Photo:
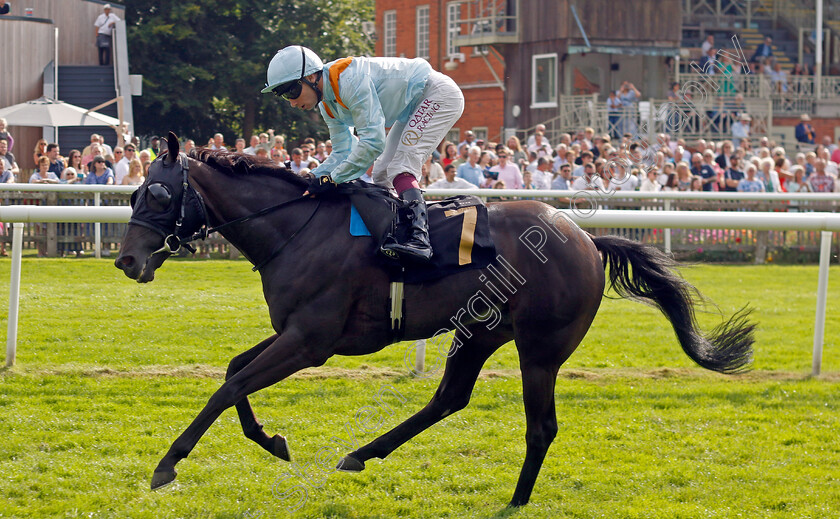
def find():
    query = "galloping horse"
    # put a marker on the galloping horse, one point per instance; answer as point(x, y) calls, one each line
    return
point(328, 295)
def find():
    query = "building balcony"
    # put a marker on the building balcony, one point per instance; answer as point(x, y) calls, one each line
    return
point(483, 22)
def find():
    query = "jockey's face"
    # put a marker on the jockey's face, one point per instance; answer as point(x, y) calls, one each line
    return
point(307, 99)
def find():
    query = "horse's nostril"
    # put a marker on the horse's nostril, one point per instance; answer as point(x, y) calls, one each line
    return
point(124, 262)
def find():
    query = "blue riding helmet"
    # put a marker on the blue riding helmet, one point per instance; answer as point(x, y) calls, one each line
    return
point(288, 69)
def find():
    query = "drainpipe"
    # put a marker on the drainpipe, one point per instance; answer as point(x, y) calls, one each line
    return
point(819, 56)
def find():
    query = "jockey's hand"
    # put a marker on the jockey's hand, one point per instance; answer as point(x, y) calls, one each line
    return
point(320, 185)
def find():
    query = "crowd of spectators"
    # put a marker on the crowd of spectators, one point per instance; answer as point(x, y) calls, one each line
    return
point(580, 160)
point(577, 161)
point(585, 161)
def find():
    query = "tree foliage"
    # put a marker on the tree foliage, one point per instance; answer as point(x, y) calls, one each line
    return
point(204, 61)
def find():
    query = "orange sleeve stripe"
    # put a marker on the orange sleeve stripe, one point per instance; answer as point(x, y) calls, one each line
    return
point(327, 108)
point(335, 70)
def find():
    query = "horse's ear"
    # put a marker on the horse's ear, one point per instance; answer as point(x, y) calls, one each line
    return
point(173, 147)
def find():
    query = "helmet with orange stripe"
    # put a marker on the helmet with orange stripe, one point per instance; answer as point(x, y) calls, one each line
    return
point(288, 70)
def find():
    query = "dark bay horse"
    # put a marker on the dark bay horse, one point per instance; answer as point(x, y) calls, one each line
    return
point(327, 295)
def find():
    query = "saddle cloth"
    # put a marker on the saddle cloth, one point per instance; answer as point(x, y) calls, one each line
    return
point(459, 231)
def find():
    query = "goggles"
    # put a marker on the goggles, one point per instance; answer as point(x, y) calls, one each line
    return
point(292, 89)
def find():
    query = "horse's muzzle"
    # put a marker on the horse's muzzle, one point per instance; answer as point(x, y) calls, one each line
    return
point(140, 254)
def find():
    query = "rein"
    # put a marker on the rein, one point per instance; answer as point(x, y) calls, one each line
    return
point(172, 243)
point(206, 231)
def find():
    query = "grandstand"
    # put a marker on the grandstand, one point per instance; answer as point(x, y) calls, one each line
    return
point(553, 62)
point(52, 54)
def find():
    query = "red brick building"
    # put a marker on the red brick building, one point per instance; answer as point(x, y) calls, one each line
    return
point(422, 28)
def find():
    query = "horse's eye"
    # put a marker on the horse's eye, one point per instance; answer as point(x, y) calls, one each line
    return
point(158, 197)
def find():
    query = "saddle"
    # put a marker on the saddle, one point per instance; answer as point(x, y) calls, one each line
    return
point(459, 230)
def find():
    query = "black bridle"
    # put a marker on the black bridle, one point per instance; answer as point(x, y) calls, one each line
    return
point(173, 241)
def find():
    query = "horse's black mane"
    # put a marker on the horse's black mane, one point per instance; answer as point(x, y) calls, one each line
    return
point(244, 164)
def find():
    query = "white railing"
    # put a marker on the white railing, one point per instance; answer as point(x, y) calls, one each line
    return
point(826, 223)
point(96, 190)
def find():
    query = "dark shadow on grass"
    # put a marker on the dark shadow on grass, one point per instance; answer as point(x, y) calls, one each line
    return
point(505, 512)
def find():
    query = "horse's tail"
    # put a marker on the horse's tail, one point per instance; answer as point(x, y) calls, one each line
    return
point(653, 280)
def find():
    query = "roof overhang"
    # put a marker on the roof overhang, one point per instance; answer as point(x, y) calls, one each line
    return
point(635, 50)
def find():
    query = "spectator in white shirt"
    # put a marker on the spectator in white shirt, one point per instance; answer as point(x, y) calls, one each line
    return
point(218, 142)
point(469, 140)
point(532, 139)
point(295, 164)
point(450, 181)
point(543, 176)
point(650, 183)
point(708, 44)
point(620, 179)
point(252, 149)
point(589, 181)
point(541, 146)
point(104, 24)
point(122, 160)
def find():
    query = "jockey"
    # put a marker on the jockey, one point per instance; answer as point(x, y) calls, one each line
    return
point(415, 105)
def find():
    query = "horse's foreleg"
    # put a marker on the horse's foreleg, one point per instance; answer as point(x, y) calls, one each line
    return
point(252, 428)
point(277, 361)
point(453, 394)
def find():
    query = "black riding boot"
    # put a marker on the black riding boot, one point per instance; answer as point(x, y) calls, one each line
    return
point(417, 244)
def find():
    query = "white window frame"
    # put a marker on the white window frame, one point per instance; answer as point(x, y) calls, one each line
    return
point(389, 32)
point(422, 29)
point(457, 133)
point(480, 133)
point(453, 16)
point(543, 104)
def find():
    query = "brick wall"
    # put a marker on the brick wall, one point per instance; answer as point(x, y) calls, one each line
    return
point(484, 106)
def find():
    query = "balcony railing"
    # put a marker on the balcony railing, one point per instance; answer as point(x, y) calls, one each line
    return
point(727, 11)
point(795, 95)
point(710, 118)
point(486, 22)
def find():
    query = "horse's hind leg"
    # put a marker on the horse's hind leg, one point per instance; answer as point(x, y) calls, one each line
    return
point(252, 428)
point(453, 394)
point(540, 357)
point(538, 394)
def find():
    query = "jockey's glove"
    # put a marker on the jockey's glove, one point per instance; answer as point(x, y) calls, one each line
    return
point(321, 185)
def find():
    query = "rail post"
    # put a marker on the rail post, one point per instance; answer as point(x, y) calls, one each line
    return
point(97, 246)
point(822, 295)
point(14, 293)
point(667, 230)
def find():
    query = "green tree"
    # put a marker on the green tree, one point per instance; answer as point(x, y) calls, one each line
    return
point(203, 61)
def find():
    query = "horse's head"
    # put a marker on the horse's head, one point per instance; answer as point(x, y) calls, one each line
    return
point(165, 211)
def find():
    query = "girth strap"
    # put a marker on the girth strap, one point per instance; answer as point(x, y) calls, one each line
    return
point(396, 304)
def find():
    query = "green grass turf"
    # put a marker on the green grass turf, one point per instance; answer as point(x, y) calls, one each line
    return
point(110, 372)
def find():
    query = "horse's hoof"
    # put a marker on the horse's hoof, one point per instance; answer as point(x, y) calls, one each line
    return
point(280, 448)
point(163, 478)
point(350, 464)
